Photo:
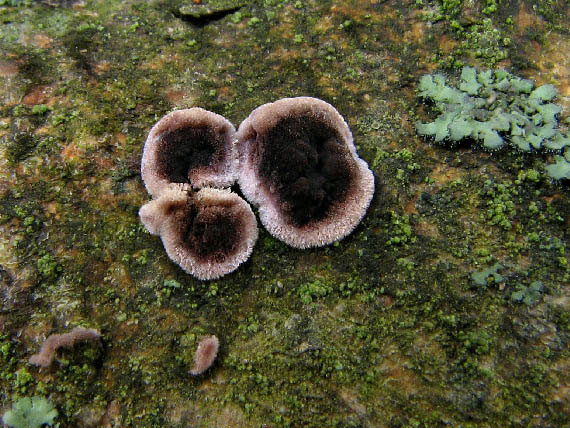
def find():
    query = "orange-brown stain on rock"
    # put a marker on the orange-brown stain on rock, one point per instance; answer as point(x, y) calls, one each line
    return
point(102, 67)
point(427, 229)
point(70, 152)
point(42, 41)
point(175, 96)
point(527, 20)
point(553, 62)
point(121, 138)
point(444, 173)
point(38, 95)
point(394, 372)
point(8, 68)
point(51, 208)
point(410, 206)
point(112, 416)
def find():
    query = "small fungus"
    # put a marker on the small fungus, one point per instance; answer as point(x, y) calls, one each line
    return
point(208, 233)
point(189, 146)
point(298, 164)
point(46, 355)
point(205, 354)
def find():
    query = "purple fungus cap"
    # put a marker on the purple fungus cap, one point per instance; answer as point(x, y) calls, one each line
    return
point(192, 146)
point(208, 233)
point(299, 166)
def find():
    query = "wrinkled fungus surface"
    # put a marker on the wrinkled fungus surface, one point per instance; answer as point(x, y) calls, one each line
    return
point(299, 165)
point(189, 146)
point(308, 164)
point(208, 233)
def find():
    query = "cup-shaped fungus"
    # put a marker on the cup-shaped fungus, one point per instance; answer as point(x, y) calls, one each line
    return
point(298, 164)
point(208, 233)
point(192, 146)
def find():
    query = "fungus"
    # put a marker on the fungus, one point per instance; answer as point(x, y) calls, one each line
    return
point(192, 146)
point(208, 233)
point(46, 355)
point(205, 354)
point(298, 164)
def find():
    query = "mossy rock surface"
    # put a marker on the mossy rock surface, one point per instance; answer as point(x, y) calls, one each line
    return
point(384, 328)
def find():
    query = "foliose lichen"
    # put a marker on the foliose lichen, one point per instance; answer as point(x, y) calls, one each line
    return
point(528, 294)
point(496, 109)
point(489, 275)
point(30, 413)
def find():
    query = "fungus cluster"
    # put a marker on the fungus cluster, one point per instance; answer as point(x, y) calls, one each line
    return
point(294, 159)
point(189, 158)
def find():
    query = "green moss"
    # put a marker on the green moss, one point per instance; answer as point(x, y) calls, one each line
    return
point(451, 7)
point(21, 146)
point(48, 267)
point(479, 342)
point(500, 207)
point(401, 230)
point(23, 380)
point(5, 348)
point(311, 291)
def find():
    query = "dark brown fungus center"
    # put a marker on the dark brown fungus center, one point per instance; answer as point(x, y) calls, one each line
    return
point(308, 165)
point(211, 233)
point(298, 164)
point(183, 150)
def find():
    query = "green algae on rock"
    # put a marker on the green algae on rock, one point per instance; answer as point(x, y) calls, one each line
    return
point(495, 108)
point(426, 349)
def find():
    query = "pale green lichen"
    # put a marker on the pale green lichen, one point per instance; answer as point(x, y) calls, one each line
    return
point(528, 295)
point(491, 274)
point(30, 413)
point(496, 108)
point(560, 169)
